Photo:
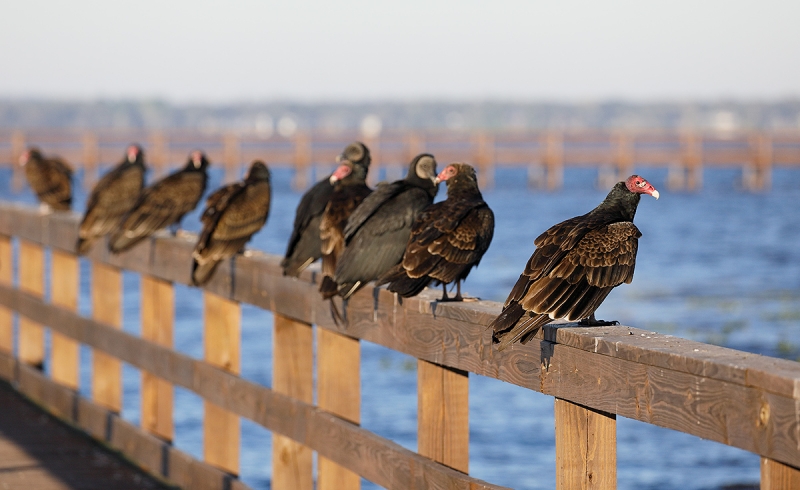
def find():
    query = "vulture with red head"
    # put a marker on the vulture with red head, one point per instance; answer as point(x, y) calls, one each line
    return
point(349, 191)
point(377, 232)
point(448, 238)
point(49, 178)
point(111, 198)
point(233, 214)
point(162, 204)
point(575, 265)
point(304, 245)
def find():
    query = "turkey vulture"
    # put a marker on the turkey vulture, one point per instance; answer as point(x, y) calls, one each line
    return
point(448, 238)
point(377, 232)
point(233, 214)
point(112, 197)
point(349, 190)
point(50, 179)
point(162, 204)
point(304, 244)
point(575, 265)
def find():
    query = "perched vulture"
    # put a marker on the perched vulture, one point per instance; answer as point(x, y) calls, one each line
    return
point(304, 243)
point(50, 179)
point(575, 265)
point(112, 197)
point(349, 191)
point(233, 214)
point(448, 238)
point(377, 232)
point(162, 204)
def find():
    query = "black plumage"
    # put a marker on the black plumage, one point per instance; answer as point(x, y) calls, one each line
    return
point(377, 232)
point(162, 204)
point(575, 265)
point(448, 238)
point(349, 191)
point(49, 178)
point(233, 214)
point(111, 198)
point(304, 243)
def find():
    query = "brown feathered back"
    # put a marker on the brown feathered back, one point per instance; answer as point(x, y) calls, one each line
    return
point(49, 178)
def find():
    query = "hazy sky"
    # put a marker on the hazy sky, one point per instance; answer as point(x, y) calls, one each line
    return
point(190, 50)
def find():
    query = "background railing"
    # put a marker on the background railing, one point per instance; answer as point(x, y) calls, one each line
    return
point(544, 154)
point(743, 400)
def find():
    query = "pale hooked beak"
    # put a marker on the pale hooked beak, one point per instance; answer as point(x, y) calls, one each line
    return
point(655, 194)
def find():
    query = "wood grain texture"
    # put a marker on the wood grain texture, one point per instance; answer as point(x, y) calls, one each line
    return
point(379, 460)
point(443, 415)
point(158, 313)
point(64, 288)
point(6, 278)
point(292, 375)
point(338, 392)
point(221, 341)
point(107, 309)
point(31, 280)
point(778, 476)
point(586, 448)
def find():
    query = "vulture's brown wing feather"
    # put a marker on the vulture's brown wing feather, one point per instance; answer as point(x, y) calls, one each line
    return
point(51, 181)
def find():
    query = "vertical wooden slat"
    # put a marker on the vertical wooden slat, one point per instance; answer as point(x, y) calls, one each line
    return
point(339, 392)
point(107, 308)
point(64, 285)
point(31, 280)
point(7, 278)
point(443, 415)
point(158, 312)
point(221, 340)
point(292, 375)
point(778, 476)
point(586, 448)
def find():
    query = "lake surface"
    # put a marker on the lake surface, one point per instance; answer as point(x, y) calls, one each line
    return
point(719, 265)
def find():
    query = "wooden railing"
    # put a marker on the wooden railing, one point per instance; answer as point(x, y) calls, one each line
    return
point(545, 154)
point(735, 398)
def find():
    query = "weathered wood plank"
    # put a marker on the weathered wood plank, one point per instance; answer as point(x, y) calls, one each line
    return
point(158, 313)
point(778, 476)
point(107, 309)
point(64, 288)
point(338, 392)
point(443, 415)
point(31, 280)
point(377, 459)
point(586, 448)
point(7, 279)
point(292, 375)
point(221, 340)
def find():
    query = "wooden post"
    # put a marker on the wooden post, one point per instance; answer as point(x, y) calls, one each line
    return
point(586, 448)
point(778, 476)
point(292, 375)
point(222, 341)
point(107, 308)
point(158, 157)
point(693, 160)
point(484, 158)
point(158, 313)
point(231, 156)
point(31, 280)
point(339, 392)
point(443, 415)
point(17, 147)
point(64, 287)
point(302, 160)
point(7, 278)
point(91, 158)
point(554, 160)
point(624, 157)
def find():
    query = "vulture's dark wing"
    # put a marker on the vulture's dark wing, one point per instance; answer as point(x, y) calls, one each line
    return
point(382, 194)
point(304, 245)
point(112, 197)
point(51, 181)
point(159, 206)
point(331, 228)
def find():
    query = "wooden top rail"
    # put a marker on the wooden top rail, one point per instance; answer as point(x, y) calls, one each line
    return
point(744, 400)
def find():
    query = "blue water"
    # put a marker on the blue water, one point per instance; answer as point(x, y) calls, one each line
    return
point(719, 265)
